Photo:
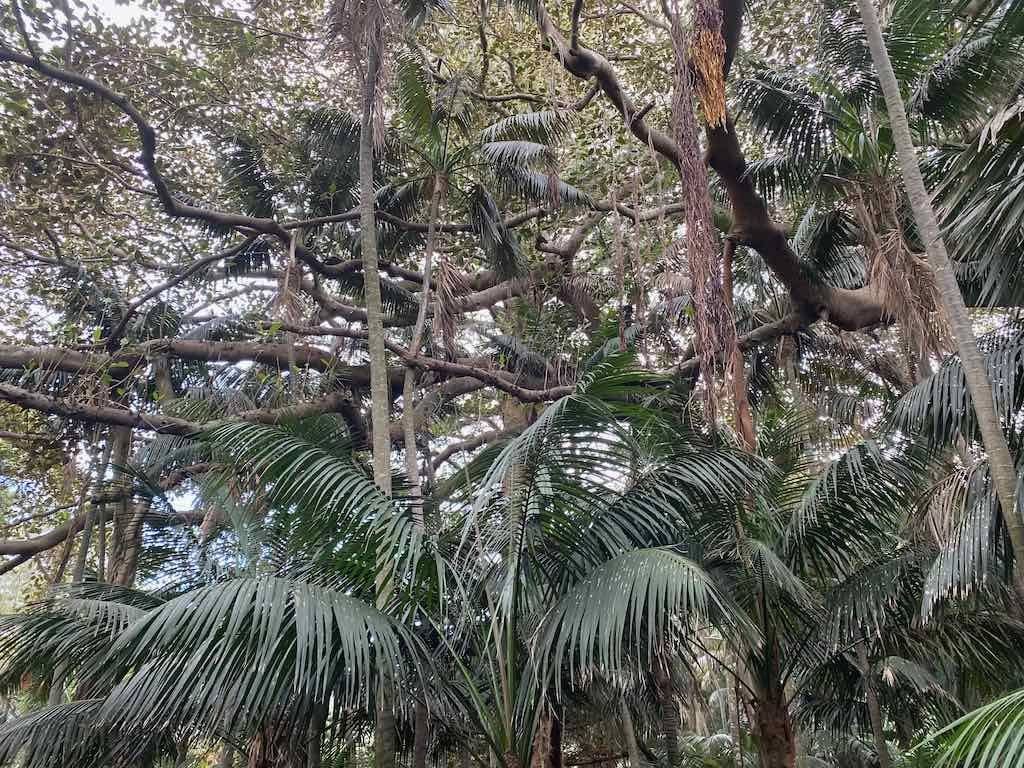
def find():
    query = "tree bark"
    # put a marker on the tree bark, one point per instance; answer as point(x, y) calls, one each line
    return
point(874, 710)
point(380, 393)
point(670, 720)
point(774, 728)
point(741, 402)
point(1001, 465)
point(384, 737)
point(83, 550)
point(128, 563)
point(421, 735)
point(107, 567)
point(629, 735)
point(774, 731)
point(412, 469)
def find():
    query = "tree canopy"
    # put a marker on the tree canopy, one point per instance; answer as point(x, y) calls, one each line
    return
point(534, 385)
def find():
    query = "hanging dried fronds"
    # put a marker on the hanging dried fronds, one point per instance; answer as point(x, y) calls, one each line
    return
point(288, 305)
point(904, 279)
point(450, 283)
point(707, 53)
point(715, 332)
point(355, 28)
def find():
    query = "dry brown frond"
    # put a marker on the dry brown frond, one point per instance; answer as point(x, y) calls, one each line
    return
point(707, 51)
point(903, 278)
point(450, 283)
point(356, 27)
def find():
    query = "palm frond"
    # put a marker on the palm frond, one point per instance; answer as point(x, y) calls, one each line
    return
point(787, 111)
point(637, 602)
point(499, 243)
point(991, 736)
point(231, 656)
point(851, 509)
point(939, 408)
point(67, 734)
point(968, 80)
point(540, 187)
point(543, 127)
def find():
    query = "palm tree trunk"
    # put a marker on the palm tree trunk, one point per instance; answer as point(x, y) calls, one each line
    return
point(412, 469)
point(629, 735)
point(774, 728)
point(421, 735)
point(1003, 472)
point(555, 759)
point(670, 720)
point(107, 567)
point(129, 561)
point(83, 551)
point(874, 710)
point(380, 395)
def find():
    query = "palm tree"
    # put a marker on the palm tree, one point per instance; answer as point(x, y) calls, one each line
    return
point(1003, 471)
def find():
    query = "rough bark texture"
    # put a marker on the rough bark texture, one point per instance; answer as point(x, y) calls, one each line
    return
point(874, 709)
point(773, 727)
point(412, 470)
point(743, 415)
point(670, 720)
point(1003, 471)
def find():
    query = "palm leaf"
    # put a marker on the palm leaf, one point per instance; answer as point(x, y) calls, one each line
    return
point(638, 602)
point(991, 736)
point(229, 656)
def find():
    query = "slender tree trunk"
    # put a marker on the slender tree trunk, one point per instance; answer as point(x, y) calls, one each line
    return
point(122, 485)
point(874, 710)
point(412, 469)
point(629, 735)
point(741, 402)
point(380, 395)
point(122, 441)
point(83, 499)
point(83, 551)
point(128, 564)
point(421, 735)
point(1003, 471)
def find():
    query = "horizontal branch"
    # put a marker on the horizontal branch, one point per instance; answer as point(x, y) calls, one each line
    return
point(160, 423)
point(148, 140)
point(472, 443)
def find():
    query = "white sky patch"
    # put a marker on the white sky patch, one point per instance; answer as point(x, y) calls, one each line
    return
point(120, 12)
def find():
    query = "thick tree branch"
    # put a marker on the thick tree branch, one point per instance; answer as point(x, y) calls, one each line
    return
point(484, 438)
point(115, 335)
point(148, 140)
point(155, 422)
point(752, 224)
